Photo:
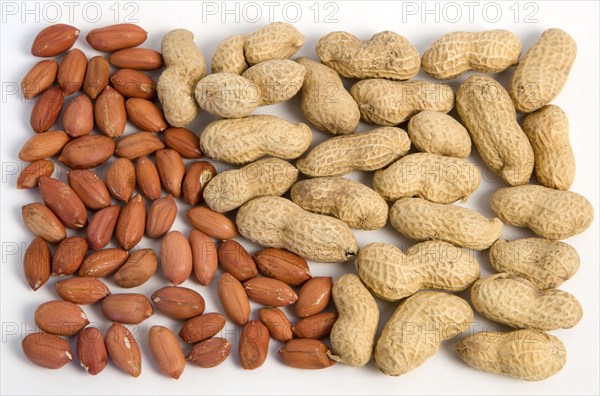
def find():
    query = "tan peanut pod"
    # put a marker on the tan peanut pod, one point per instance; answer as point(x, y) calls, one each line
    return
point(243, 140)
point(279, 223)
point(548, 132)
point(353, 334)
point(489, 51)
point(438, 133)
point(277, 40)
point(543, 71)
point(228, 95)
point(385, 55)
point(278, 80)
point(325, 101)
point(366, 151)
point(354, 203)
point(489, 115)
point(516, 302)
point(231, 189)
point(422, 220)
point(545, 263)
point(530, 355)
point(428, 176)
point(417, 328)
point(550, 213)
point(393, 275)
point(388, 103)
point(229, 56)
point(175, 86)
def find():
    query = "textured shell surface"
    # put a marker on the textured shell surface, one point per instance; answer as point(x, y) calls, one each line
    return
point(429, 176)
point(543, 71)
point(278, 80)
point(229, 56)
point(403, 346)
point(516, 302)
point(389, 103)
point(231, 189)
point(243, 140)
point(421, 220)
point(366, 151)
point(386, 55)
point(279, 223)
point(227, 95)
point(553, 214)
point(548, 131)
point(531, 355)
point(490, 117)
point(393, 275)
point(354, 203)
point(325, 101)
point(353, 334)
point(438, 133)
point(489, 51)
point(277, 40)
point(545, 263)
point(185, 67)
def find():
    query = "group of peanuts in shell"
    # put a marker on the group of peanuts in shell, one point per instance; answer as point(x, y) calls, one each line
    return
point(315, 224)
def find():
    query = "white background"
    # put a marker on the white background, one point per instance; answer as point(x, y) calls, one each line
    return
point(444, 373)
